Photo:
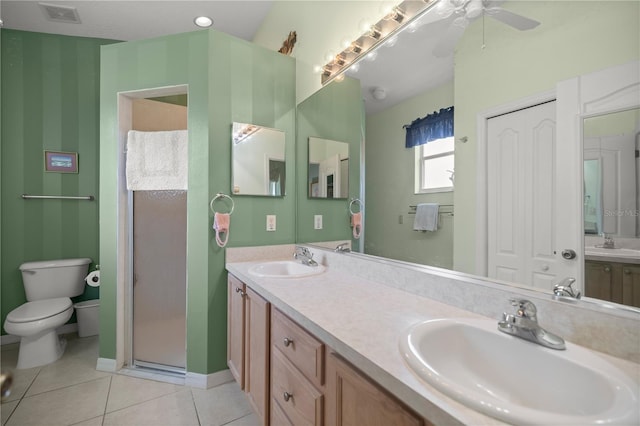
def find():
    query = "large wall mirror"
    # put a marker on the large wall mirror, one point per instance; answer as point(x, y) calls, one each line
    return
point(258, 160)
point(328, 168)
point(495, 64)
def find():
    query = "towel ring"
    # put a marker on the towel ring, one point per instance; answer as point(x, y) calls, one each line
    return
point(353, 201)
point(218, 196)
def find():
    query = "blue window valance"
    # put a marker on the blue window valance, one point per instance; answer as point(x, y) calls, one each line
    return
point(434, 126)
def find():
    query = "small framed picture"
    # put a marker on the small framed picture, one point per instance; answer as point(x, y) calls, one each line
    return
point(61, 162)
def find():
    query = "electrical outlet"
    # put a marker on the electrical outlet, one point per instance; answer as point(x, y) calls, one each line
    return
point(317, 221)
point(271, 222)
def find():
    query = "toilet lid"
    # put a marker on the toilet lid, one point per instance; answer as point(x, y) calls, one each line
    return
point(39, 309)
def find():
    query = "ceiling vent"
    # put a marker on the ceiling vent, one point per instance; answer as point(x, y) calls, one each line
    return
point(57, 13)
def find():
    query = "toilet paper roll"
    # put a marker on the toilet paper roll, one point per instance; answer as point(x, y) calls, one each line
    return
point(93, 279)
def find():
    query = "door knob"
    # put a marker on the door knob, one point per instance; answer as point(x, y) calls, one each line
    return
point(568, 254)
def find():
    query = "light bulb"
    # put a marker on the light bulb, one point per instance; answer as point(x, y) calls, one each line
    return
point(203, 21)
point(317, 69)
point(329, 56)
point(355, 67)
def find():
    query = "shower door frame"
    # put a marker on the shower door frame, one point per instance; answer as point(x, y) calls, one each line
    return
point(124, 334)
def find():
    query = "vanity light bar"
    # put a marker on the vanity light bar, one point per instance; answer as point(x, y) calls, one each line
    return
point(401, 15)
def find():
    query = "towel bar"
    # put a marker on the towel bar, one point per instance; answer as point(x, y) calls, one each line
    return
point(57, 197)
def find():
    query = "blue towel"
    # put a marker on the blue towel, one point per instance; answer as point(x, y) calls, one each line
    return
point(426, 217)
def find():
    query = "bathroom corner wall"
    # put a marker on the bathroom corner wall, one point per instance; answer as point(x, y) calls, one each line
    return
point(248, 84)
point(50, 101)
point(335, 112)
point(228, 80)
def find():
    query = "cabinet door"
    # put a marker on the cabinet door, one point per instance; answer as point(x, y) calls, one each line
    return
point(256, 363)
point(598, 280)
point(353, 400)
point(631, 285)
point(235, 328)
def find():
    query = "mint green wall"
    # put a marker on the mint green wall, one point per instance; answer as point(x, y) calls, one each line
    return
point(389, 184)
point(575, 37)
point(229, 80)
point(50, 100)
point(333, 112)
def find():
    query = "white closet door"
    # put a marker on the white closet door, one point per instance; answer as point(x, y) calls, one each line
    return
point(522, 206)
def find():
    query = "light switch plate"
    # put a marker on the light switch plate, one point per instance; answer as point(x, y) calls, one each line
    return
point(317, 221)
point(271, 222)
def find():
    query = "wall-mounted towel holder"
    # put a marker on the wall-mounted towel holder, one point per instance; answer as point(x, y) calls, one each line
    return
point(57, 197)
point(351, 205)
point(220, 196)
point(444, 210)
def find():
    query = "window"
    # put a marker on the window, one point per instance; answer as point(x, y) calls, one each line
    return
point(434, 166)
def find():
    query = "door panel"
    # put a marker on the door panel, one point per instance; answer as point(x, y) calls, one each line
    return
point(522, 159)
point(159, 287)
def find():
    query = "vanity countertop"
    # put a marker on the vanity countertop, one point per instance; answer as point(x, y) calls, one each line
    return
point(363, 321)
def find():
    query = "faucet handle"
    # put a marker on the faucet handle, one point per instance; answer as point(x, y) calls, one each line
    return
point(526, 308)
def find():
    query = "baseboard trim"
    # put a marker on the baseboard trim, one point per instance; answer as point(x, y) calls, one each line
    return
point(106, 364)
point(207, 381)
point(8, 339)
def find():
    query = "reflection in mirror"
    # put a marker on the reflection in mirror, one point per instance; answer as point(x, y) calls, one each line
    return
point(328, 168)
point(258, 160)
point(494, 65)
point(611, 209)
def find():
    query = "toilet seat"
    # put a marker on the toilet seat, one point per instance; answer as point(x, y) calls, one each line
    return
point(39, 310)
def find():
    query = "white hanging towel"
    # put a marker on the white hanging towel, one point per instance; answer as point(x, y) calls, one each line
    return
point(426, 217)
point(157, 160)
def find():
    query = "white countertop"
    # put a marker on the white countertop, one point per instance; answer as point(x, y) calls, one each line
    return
point(363, 322)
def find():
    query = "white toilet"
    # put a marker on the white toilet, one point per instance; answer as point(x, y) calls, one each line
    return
point(48, 285)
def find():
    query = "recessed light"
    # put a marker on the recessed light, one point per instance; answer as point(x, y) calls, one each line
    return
point(203, 21)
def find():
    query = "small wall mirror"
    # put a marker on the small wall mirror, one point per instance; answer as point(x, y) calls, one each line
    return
point(328, 168)
point(258, 160)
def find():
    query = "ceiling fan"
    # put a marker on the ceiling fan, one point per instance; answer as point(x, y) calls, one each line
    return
point(464, 12)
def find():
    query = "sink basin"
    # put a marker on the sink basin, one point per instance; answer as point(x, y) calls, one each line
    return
point(518, 381)
point(285, 269)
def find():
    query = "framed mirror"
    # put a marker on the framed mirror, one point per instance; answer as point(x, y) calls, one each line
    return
point(258, 160)
point(328, 168)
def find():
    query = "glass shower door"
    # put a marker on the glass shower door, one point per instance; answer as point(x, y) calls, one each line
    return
point(159, 279)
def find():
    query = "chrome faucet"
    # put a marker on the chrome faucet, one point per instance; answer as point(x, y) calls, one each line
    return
point(608, 241)
point(342, 248)
point(564, 289)
point(305, 256)
point(524, 324)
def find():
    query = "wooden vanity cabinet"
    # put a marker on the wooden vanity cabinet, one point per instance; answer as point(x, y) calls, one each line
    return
point(289, 379)
point(248, 344)
point(354, 400)
point(613, 281)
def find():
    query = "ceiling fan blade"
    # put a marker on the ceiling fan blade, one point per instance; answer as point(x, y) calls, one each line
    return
point(514, 20)
point(447, 44)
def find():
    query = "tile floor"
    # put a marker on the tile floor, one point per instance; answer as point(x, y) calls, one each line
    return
point(72, 392)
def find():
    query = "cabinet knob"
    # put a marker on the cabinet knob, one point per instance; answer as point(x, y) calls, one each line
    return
point(545, 267)
point(287, 341)
point(239, 290)
point(607, 269)
point(287, 396)
point(627, 271)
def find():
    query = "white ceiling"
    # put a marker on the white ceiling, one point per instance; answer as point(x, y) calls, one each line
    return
point(133, 20)
point(402, 71)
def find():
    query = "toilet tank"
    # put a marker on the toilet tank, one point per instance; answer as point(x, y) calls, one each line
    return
point(48, 279)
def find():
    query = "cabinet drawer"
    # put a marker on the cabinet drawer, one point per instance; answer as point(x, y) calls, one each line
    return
point(278, 418)
point(299, 400)
point(301, 348)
